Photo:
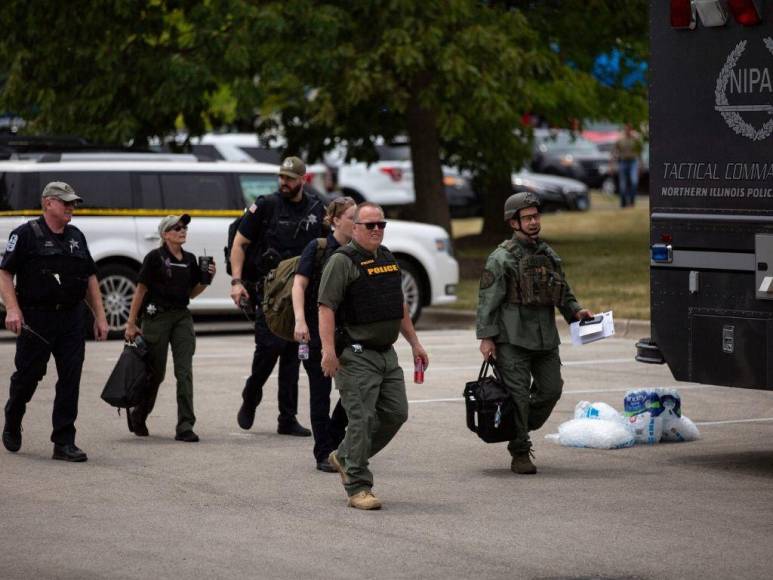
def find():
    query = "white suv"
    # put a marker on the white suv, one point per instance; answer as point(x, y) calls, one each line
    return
point(125, 199)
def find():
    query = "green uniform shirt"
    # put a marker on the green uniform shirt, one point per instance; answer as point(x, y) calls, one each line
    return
point(338, 274)
point(531, 327)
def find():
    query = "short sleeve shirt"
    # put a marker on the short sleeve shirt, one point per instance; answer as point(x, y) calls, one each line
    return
point(169, 281)
point(21, 244)
point(339, 273)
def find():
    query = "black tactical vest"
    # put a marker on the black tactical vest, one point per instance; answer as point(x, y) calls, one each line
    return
point(288, 232)
point(312, 290)
point(57, 272)
point(377, 295)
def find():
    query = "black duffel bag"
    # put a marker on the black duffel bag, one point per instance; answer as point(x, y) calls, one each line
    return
point(490, 409)
point(129, 378)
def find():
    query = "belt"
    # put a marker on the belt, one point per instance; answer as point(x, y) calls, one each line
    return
point(51, 307)
point(367, 346)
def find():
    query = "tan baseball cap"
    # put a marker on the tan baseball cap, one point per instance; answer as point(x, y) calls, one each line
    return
point(293, 167)
point(61, 190)
point(172, 220)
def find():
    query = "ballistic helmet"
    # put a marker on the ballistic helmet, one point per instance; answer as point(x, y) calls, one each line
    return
point(519, 201)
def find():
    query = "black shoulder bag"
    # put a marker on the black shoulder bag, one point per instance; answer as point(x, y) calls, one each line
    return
point(490, 409)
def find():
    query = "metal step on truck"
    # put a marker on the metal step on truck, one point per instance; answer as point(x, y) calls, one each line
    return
point(711, 191)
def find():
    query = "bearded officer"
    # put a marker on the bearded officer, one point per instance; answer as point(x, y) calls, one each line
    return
point(54, 272)
point(521, 285)
point(280, 225)
point(361, 293)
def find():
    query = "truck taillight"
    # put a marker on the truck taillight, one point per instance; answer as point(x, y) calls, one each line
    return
point(682, 14)
point(711, 12)
point(395, 173)
point(746, 12)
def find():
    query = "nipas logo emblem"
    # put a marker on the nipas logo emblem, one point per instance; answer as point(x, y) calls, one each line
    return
point(744, 81)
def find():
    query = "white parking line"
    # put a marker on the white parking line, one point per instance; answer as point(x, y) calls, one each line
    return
point(730, 422)
point(569, 392)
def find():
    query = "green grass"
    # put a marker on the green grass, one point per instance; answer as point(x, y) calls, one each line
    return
point(605, 253)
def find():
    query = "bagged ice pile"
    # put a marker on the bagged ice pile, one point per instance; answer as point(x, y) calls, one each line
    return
point(650, 416)
point(596, 425)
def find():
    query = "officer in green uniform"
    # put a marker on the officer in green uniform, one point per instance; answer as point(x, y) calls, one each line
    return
point(169, 278)
point(522, 283)
point(361, 312)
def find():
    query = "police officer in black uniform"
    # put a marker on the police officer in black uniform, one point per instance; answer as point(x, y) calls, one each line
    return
point(54, 273)
point(281, 224)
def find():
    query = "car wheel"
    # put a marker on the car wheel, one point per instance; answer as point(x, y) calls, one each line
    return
point(412, 288)
point(117, 283)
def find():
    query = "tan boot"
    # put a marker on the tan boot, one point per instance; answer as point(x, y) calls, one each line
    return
point(364, 500)
point(333, 459)
point(522, 464)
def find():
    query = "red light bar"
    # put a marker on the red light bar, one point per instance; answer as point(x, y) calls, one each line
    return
point(746, 12)
point(682, 14)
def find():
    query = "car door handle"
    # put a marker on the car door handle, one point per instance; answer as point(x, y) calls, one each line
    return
point(152, 237)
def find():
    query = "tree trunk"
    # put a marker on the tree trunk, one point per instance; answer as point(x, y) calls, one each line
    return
point(431, 203)
point(497, 187)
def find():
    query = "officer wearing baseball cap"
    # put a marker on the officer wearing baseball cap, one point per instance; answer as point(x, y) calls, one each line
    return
point(520, 287)
point(169, 278)
point(54, 272)
point(276, 227)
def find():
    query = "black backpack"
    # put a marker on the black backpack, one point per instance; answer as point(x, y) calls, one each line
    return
point(251, 250)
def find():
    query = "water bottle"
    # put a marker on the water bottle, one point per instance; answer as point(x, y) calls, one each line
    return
point(303, 351)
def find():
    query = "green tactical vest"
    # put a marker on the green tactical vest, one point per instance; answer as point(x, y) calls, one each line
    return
point(537, 280)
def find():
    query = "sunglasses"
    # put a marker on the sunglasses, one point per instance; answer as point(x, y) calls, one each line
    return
point(177, 228)
point(372, 225)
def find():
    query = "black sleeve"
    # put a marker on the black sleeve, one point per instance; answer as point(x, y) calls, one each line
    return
point(150, 264)
point(17, 249)
point(307, 262)
point(252, 223)
point(195, 270)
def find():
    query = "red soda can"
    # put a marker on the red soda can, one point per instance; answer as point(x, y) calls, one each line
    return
point(418, 371)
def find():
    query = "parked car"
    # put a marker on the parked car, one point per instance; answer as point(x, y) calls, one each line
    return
point(125, 199)
point(561, 152)
point(556, 193)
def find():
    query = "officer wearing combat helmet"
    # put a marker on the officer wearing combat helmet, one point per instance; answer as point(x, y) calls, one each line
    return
point(54, 272)
point(361, 301)
point(521, 284)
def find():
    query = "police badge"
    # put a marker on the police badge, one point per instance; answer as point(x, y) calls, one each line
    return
point(151, 309)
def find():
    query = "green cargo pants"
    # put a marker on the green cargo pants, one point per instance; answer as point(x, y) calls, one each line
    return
point(534, 401)
point(372, 389)
point(173, 327)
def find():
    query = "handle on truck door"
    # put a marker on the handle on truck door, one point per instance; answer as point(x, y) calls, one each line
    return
point(152, 237)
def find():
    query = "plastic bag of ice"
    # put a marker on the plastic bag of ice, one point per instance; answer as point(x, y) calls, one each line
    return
point(594, 433)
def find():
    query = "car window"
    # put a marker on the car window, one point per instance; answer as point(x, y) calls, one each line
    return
point(99, 189)
point(195, 191)
point(394, 152)
point(11, 194)
point(255, 185)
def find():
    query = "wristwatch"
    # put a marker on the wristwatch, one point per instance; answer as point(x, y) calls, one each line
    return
point(235, 281)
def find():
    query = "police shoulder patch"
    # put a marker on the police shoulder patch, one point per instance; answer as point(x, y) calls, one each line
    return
point(11, 246)
point(486, 279)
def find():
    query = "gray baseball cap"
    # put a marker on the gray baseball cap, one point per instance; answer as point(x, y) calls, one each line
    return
point(61, 190)
point(293, 167)
point(172, 220)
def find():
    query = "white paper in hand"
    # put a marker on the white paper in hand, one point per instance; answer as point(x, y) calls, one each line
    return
point(592, 329)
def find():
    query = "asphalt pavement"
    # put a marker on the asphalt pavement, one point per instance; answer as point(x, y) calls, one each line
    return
point(251, 503)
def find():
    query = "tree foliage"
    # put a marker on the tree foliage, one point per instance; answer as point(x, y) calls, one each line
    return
point(454, 76)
